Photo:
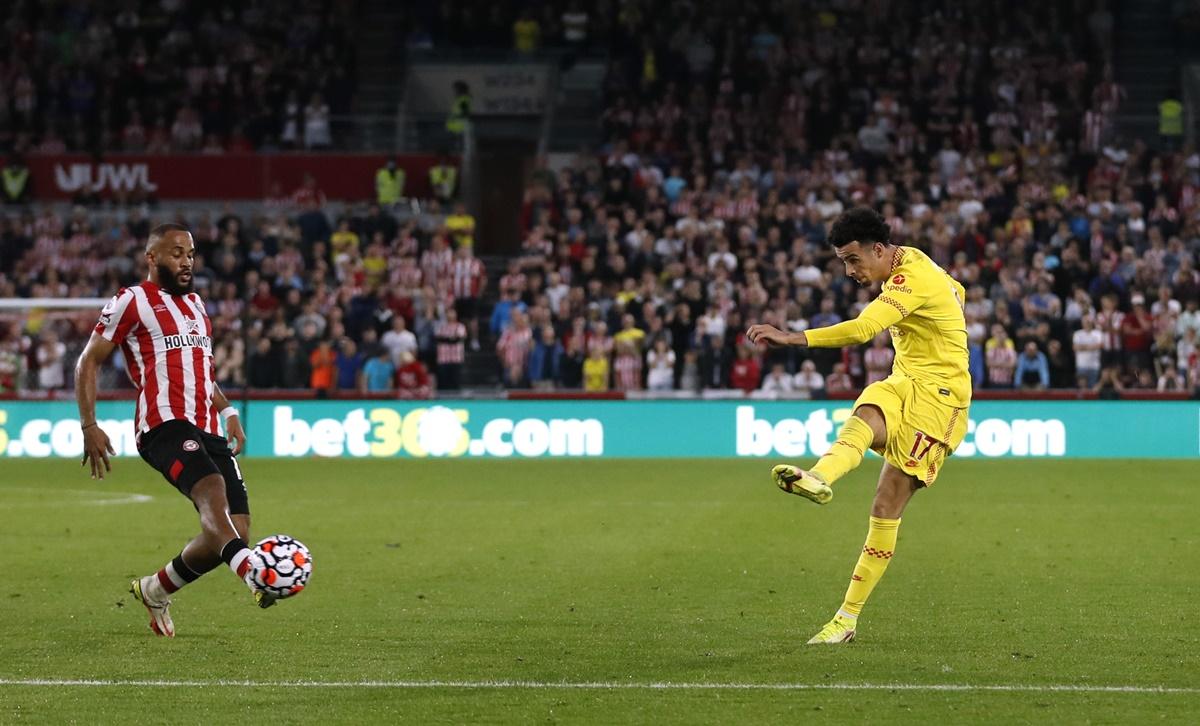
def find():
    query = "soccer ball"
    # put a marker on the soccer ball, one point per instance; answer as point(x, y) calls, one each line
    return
point(287, 565)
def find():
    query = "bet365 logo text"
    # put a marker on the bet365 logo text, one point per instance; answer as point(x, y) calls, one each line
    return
point(42, 437)
point(436, 431)
point(812, 436)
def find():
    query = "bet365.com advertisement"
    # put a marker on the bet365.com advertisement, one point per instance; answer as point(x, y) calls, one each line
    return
point(623, 429)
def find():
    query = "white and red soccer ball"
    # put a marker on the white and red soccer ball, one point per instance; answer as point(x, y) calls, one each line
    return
point(287, 565)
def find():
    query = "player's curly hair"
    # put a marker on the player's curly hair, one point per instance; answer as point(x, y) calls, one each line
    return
point(860, 224)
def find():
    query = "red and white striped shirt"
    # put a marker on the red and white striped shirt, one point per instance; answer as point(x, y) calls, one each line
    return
point(450, 347)
point(467, 277)
point(436, 263)
point(627, 372)
point(167, 343)
point(514, 346)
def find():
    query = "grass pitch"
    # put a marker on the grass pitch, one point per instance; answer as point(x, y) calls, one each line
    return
point(445, 583)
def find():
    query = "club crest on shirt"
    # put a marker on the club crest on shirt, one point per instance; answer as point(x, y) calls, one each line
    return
point(190, 445)
point(193, 327)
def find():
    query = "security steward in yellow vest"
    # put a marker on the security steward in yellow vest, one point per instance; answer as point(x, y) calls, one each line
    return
point(389, 184)
point(460, 109)
point(443, 177)
point(15, 178)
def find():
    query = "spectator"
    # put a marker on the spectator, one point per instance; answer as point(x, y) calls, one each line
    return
point(502, 312)
point(50, 354)
point(324, 364)
point(627, 366)
point(1001, 358)
point(1189, 319)
point(451, 351)
point(1137, 331)
point(745, 373)
point(229, 362)
point(1109, 387)
point(1186, 349)
point(545, 359)
point(630, 333)
point(1062, 369)
point(295, 369)
point(660, 366)
point(570, 371)
point(514, 347)
point(1033, 371)
point(777, 382)
point(1109, 321)
point(264, 370)
point(838, 383)
point(399, 340)
point(595, 370)
point(412, 378)
point(808, 383)
point(1087, 342)
point(714, 364)
point(377, 373)
point(1170, 380)
point(460, 224)
point(349, 363)
point(878, 359)
point(316, 124)
point(10, 365)
point(526, 32)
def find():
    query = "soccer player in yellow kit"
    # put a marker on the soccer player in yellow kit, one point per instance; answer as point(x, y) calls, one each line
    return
point(915, 417)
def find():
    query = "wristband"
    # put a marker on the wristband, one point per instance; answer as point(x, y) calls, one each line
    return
point(228, 412)
point(85, 428)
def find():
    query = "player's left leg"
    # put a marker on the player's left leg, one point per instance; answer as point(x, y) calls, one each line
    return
point(896, 487)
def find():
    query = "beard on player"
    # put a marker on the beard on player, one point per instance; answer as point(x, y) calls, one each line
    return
point(176, 283)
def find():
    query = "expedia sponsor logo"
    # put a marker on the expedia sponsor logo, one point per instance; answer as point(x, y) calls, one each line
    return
point(172, 342)
point(898, 288)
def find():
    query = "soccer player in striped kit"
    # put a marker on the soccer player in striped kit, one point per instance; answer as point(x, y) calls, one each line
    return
point(163, 332)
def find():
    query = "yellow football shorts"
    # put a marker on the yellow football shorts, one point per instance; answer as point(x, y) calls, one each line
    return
point(922, 430)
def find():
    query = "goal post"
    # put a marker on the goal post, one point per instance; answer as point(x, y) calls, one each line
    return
point(41, 338)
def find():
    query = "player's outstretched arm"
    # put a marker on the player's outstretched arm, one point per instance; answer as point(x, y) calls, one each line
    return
point(96, 446)
point(769, 334)
point(233, 424)
point(877, 316)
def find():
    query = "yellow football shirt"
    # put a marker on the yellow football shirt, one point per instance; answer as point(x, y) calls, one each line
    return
point(595, 374)
point(462, 228)
point(923, 308)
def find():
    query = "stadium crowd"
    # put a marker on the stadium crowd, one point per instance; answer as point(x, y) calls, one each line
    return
point(983, 134)
point(167, 76)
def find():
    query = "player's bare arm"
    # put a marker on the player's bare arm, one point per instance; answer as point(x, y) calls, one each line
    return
point(234, 432)
point(769, 334)
point(96, 446)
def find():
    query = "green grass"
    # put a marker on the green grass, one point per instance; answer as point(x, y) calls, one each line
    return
point(1016, 573)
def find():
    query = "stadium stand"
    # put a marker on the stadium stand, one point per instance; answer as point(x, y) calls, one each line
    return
point(986, 136)
point(161, 77)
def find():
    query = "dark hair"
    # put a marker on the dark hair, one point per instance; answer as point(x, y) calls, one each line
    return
point(860, 224)
point(162, 229)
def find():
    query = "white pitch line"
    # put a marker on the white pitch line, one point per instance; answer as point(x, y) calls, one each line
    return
point(102, 498)
point(596, 686)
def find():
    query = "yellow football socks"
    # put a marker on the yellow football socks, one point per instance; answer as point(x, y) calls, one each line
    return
point(876, 554)
point(847, 452)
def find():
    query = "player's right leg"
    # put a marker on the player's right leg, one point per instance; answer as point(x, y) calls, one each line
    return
point(217, 531)
point(866, 428)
